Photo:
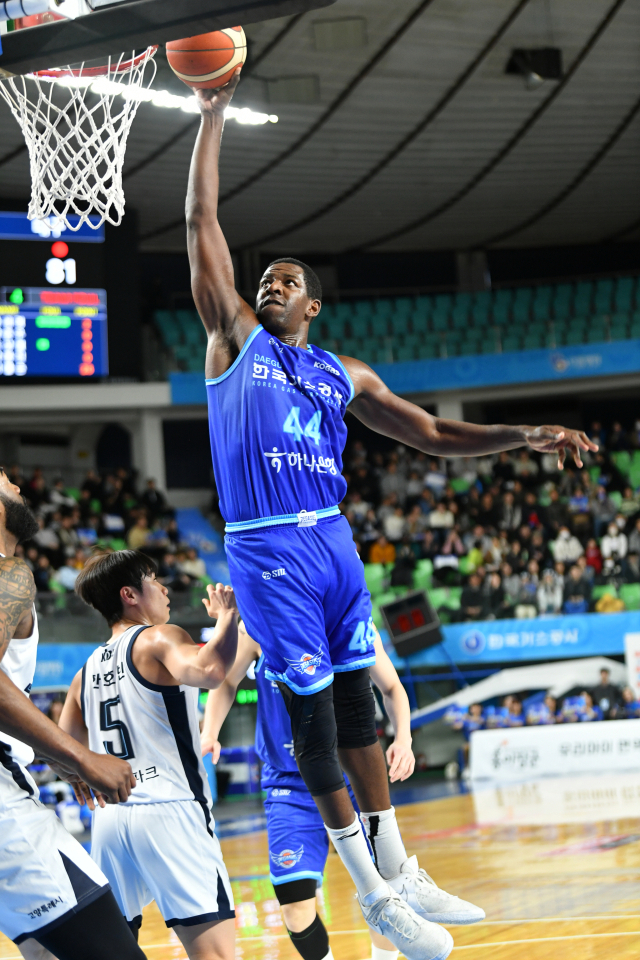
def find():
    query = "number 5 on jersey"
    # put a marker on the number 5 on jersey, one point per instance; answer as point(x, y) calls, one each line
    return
point(312, 430)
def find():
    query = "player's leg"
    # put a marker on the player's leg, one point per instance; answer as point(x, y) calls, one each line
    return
point(53, 897)
point(208, 941)
point(31, 950)
point(298, 848)
point(180, 862)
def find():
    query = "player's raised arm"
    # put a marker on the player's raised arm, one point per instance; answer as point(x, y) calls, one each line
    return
point(220, 701)
point(399, 755)
point(381, 410)
point(205, 666)
point(221, 308)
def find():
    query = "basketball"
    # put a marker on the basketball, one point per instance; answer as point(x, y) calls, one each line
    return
point(208, 60)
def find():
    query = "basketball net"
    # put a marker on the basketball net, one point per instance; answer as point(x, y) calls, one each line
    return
point(75, 122)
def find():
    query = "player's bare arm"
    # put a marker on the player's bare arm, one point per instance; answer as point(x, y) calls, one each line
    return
point(21, 719)
point(381, 410)
point(220, 701)
point(228, 320)
point(399, 755)
point(167, 655)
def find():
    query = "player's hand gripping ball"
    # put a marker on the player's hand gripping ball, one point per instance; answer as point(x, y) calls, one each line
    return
point(208, 61)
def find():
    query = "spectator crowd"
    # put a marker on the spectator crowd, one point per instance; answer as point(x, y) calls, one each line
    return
point(106, 513)
point(519, 536)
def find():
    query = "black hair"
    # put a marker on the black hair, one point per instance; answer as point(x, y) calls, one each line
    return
point(311, 278)
point(100, 582)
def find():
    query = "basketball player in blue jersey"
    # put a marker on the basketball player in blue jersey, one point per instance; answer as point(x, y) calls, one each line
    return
point(298, 843)
point(276, 409)
point(137, 698)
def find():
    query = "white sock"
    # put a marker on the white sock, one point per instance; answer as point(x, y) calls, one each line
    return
point(352, 849)
point(384, 836)
point(330, 956)
point(377, 953)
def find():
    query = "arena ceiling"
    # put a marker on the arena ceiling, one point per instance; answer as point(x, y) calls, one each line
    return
point(400, 130)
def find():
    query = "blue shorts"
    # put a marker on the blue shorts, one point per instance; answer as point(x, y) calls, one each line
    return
point(298, 840)
point(302, 595)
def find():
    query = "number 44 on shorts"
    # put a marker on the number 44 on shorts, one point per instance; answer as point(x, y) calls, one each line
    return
point(363, 637)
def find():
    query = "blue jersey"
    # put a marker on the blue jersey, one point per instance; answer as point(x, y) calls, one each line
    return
point(277, 434)
point(274, 741)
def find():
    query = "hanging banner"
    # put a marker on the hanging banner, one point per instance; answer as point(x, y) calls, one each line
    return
point(632, 657)
point(560, 750)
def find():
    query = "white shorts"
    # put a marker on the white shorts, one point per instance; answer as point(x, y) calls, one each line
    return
point(44, 872)
point(163, 852)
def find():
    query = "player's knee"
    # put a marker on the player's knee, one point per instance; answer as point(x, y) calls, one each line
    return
point(313, 726)
point(298, 916)
point(355, 709)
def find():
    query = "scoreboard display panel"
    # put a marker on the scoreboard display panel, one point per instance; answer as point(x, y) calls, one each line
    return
point(53, 333)
point(53, 301)
point(412, 623)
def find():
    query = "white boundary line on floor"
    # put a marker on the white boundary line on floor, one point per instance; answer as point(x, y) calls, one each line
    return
point(579, 936)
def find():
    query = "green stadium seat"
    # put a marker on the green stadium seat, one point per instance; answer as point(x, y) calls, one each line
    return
point(444, 303)
point(502, 313)
point(463, 300)
point(624, 295)
point(438, 597)
point(400, 324)
point(574, 338)
point(634, 330)
point(470, 348)
point(634, 475)
point(542, 303)
point(453, 599)
point(383, 356)
point(603, 296)
point(402, 354)
point(412, 340)
point(439, 321)
point(594, 473)
point(403, 305)
point(379, 326)
point(350, 346)
point(578, 323)
point(423, 306)
point(616, 498)
point(597, 335)
point(460, 318)
point(73, 492)
point(336, 328)
point(360, 327)
point(510, 343)
point(423, 574)
point(620, 317)
point(375, 576)
point(419, 323)
point(605, 589)
point(459, 484)
point(630, 594)
point(622, 460)
point(489, 345)
point(618, 332)
point(521, 313)
point(367, 355)
point(118, 544)
point(428, 351)
point(533, 341)
point(481, 315)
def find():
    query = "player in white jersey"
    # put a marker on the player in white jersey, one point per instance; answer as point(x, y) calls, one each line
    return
point(50, 889)
point(137, 698)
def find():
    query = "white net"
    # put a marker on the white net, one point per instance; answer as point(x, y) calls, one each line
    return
point(76, 125)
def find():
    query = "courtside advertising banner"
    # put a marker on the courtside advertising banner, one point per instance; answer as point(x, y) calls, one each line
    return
point(632, 657)
point(554, 751)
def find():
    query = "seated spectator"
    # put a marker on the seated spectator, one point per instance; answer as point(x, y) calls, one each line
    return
point(170, 576)
point(579, 510)
point(630, 504)
point(589, 712)
point(139, 533)
point(526, 607)
point(560, 571)
point(510, 516)
point(543, 714)
point(453, 544)
point(503, 469)
point(550, 597)
point(602, 510)
point(634, 538)
point(416, 523)
point(153, 500)
point(59, 496)
point(606, 694)
point(556, 514)
point(402, 573)
point(392, 481)
point(370, 528)
point(358, 506)
point(515, 558)
point(618, 439)
point(489, 514)
point(577, 592)
point(515, 717)
point(441, 518)
point(42, 574)
point(472, 601)
point(614, 547)
point(430, 545)
point(468, 723)
point(382, 551)
point(415, 486)
point(67, 575)
point(394, 525)
point(436, 478)
point(566, 547)
point(497, 603)
point(593, 556)
point(67, 533)
point(193, 565)
point(526, 469)
point(629, 708)
point(475, 557)
point(631, 568)
point(511, 585)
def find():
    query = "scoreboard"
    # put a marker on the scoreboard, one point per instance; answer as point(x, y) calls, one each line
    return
point(47, 332)
point(53, 301)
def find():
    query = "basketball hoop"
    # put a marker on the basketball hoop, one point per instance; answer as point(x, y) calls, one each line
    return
point(75, 121)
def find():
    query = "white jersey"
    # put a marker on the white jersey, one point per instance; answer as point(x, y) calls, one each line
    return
point(154, 727)
point(19, 664)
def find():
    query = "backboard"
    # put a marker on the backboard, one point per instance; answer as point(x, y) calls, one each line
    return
point(113, 26)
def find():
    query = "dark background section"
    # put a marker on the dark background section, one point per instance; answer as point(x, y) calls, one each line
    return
point(557, 262)
point(187, 453)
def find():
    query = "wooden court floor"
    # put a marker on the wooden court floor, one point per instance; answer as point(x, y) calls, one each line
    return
point(567, 890)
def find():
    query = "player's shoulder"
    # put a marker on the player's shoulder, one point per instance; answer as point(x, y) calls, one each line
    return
point(163, 634)
point(16, 579)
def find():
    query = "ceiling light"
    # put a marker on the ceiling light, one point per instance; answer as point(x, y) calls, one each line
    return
point(162, 98)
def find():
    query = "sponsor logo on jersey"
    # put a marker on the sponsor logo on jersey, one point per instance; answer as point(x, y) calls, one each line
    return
point(287, 858)
point(308, 663)
point(268, 575)
point(328, 367)
point(280, 792)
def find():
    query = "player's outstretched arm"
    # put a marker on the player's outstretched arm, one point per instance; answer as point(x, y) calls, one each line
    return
point(381, 410)
point(222, 310)
point(399, 755)
point(205, 666)
point(220, 701)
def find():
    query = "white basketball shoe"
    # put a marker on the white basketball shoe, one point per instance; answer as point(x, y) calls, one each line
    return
point(416, 887)
point(415, 938)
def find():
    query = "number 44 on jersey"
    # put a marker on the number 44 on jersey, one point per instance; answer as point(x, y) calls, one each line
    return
point(311, 430)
